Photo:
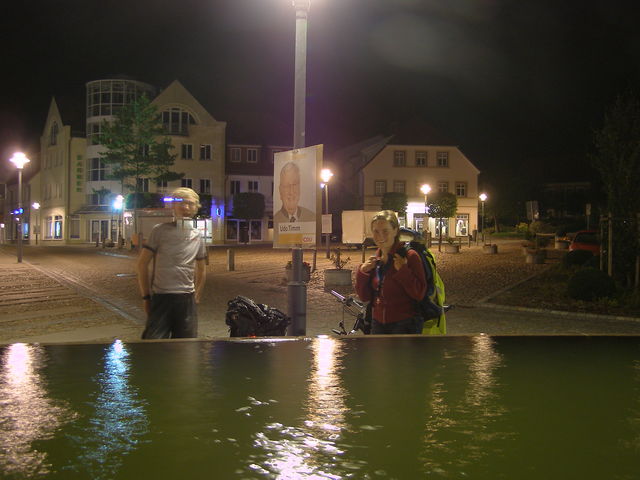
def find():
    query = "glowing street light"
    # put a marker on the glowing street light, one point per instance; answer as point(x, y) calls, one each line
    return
point(425, 189)
point(325, 175)
point(483, 198)
point(117, 206)
point(19, 159)
point(36, 227)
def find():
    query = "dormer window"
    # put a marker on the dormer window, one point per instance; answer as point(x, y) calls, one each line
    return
point(54, 134)
point(176, 121)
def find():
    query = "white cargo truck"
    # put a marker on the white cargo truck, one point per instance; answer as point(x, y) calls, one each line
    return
point(356, 227)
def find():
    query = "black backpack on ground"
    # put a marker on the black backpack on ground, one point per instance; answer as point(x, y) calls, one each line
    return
point(246, 318)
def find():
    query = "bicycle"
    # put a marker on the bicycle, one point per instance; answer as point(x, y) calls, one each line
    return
point(358, 309)
point(355, 308)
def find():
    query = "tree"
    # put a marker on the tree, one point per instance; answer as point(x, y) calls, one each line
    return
point(136, 147)
point(395, 201)
point(616, 158)
point(442, 205)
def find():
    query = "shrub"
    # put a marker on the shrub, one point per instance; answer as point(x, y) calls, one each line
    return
point(589, 284)
point(522, 228)
point(576, 258)
point(540, 227)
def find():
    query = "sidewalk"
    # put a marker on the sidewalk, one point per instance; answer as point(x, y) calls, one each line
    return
point(103, 280)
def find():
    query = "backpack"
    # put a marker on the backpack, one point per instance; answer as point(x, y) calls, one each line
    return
point(246, 318)
point(431, 306)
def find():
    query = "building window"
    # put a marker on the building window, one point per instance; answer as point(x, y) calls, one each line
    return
point(57, 226)
point(461, 189)
point(421, 159)
point(253, 185)
point(234, 187)
point(205, 185)
point(205, 152)
point(93, 134)
point(142, 184)
point(462, 225)
point(399, 158)
point(235, 155)
point(176, 121)
point(162, 185)
point(443, 186)
point(187, 151)
point(186, 182)
point(380, 187)
point(442, 159)
point(252, 155)
point(53, 140)
point(399, 186)
point(97, 170)
point(100, 197)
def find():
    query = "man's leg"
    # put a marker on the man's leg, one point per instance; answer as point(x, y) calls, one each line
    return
point(159, 318)
point(185, 316)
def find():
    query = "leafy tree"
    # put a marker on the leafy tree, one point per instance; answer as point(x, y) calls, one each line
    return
point(136, 147)
point(616, 158)
point(395, 201)
point(442, 205)
point(248, 205)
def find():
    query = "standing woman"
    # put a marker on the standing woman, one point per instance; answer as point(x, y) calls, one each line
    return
point(393, 280)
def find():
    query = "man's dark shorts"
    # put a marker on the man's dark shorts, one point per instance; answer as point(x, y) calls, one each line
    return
point(172, 315)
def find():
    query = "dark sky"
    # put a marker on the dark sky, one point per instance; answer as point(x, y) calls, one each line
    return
point(510, 81)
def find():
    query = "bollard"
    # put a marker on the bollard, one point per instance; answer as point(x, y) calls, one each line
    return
point(315, 255)
point(231, 264)
point(364, 252)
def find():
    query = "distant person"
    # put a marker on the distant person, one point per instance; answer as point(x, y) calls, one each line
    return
point(393, 280)
point(174, 286)
point(290, 195)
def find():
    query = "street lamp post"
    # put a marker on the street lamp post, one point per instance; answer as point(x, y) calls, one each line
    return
point(117, 206)
point(483, 198)
point(296, 289)
point(19, 159)
point(425, 189)
point(36, 227)
point(325, 175)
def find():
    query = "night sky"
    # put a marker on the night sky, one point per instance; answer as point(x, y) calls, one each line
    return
point(512, 82)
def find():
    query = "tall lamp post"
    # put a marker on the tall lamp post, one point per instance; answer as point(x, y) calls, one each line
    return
point(483, 198)
point(36, 227)
point(19, 159)
point(296, 289)
point(325, 175)
point(425, 189)
point(117, 206)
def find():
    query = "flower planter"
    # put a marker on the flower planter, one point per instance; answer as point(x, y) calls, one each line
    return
point(490, 249)
point(335, 276)
point(535, 256)
point(451, 248)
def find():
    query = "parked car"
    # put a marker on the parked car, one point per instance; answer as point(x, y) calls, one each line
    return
point(586, 240)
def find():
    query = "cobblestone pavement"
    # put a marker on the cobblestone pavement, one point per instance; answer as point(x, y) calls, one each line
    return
point(104, 302)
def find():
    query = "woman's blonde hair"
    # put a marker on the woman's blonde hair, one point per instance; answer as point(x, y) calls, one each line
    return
point(390, 216)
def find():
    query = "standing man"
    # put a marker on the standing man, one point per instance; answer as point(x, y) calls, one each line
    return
point(289, 189)
point(172, 289)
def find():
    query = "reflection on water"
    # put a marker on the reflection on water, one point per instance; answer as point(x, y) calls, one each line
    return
point(464, 406)
point(118, 420)
point(27, 415)
point(310, 450)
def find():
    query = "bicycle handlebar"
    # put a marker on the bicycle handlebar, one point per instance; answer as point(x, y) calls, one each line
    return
point(348, 301)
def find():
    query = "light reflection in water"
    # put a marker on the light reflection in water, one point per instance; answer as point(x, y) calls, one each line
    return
point(460, 426)
point(27, 414)
point(311, 451)
point(118, 422)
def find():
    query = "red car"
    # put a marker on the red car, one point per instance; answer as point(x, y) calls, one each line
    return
point(586, 240)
